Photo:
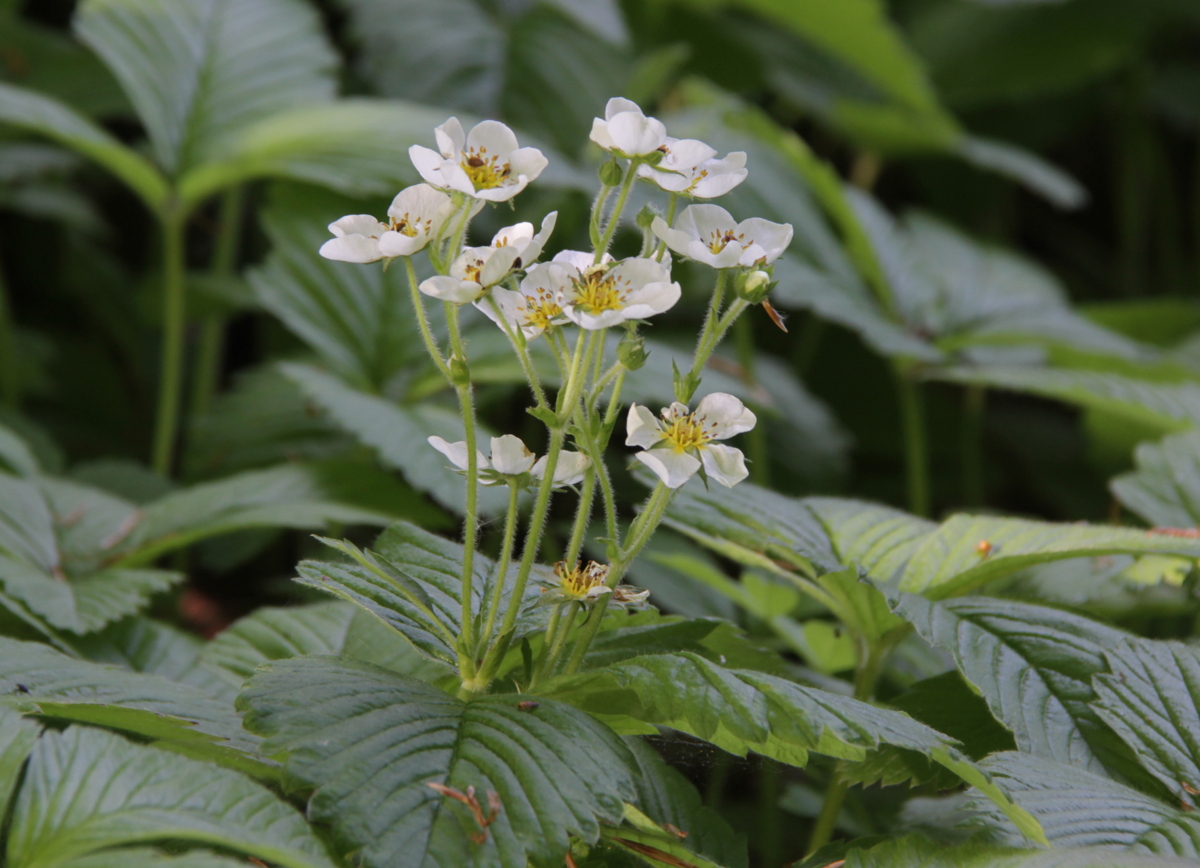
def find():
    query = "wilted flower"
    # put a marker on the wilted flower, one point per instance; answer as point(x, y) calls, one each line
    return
point(414, 217)
point(681, 441)
point(486, 164)
point(604, 295)
point(478, 268)
point(708, 234)
point(583, 583)
point(626, 131)
point(689, 167)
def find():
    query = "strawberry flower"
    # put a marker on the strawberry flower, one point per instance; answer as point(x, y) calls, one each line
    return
point(689, 167)
point(597, 296)
point(626, 131)
point(510, 460)
point(414, 217)
point(679, 442)
point(478, 268)
point(708, 234)
point(484, 164)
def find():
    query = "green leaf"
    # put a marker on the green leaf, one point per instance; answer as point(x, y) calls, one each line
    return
point(57, 686)
point(288, 496)
point(26, 526)
point(16, 454)
point(86, 790)
point(1044, 178)
point(913, 852)
point(1151, 698)
point(1034, 667)
point(666, 796)
point(946, 703)
point(39, 114)
point(138, 857)
point(1165, 488)
point(1077, 808)
point(199, 71)
point(17, 737)
point(370, 741)
point(142, 644)
point(398, 432)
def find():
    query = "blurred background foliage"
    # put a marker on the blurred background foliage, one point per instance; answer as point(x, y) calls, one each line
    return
point(996, 267)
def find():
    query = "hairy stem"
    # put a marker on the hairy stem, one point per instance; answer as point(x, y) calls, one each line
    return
point(760, 456)
point(170, 383)
point(418, 300)
point(500, 576)
point(471, 517)
point(583, 517)
point(615, 220)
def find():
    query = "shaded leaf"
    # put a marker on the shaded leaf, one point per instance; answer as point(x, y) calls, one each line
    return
point(1165, 488)
point(17, 737)
point(913, 852)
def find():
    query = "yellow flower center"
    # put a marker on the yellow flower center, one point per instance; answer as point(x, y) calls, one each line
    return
point(718, 239)
point(472, 270)
point(486, 173)
point(685, 432)
point(541, 311)
point(597, 291)
point(577, 582)
point(407, 226)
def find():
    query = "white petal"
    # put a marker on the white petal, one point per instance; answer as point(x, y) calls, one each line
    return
point(677, 239)
point(454, 177)
point(492, 139)
point(618, 104)
point(398, 244)
point(600, 135)
point(451, 289)
point(503, 306)
point(641, 427)
point(723, 415)
point(534, 249)
point(651, 299)
point(498, 265)
point(635, 134)
point(773, 237)
point(570, 468)
point(352, 248)
point(705, 221)
point(637, 271)
point(517, 235)
point(673, 468)
point(714, 185)
point(450, 139)
point(686, 154)
point(357, 224)
point(510, 456)
point(421, 202)
point(428, 164)
point(528, 163)
point(577, 259)
point(724, 464)
point(457, 453)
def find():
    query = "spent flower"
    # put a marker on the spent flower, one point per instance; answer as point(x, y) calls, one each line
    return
point(679, 442)
point(584, 583)
point(484, 164)
point(708, 234)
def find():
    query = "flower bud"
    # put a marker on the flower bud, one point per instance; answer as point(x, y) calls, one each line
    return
point(646, 216)
point(611, 173)
point(631, 351)
point(754, 286)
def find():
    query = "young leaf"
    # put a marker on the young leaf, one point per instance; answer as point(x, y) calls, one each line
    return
point(1034, 667)
point(1077, 808)
point(371, 742)
point(86, 790)
point(198, 71)
point(40, 114)
point(1151, 698)
point(1165, 488)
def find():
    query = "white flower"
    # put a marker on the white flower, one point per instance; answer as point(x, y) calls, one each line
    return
point(568, 470)
point(486, 164)
point(478, 268)
point(415, 216)
point(680, 442)
point(604, 295)
point(584, 583)
point(536, 307)
point(510, 457)
point(626, 131)
point(689, 167)
point(708, 234)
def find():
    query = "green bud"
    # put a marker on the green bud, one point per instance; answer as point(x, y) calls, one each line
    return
point(753, 286)
point(646, 216)
point(653, 158)
point(611, 173)
point(460, 374)
point(631, 351)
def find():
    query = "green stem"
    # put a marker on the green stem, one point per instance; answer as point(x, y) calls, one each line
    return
point(212, 330)
point(770, 838)
point(456, 240)
point(760, 456)
point(10, 383)
point(471, 517)
point(170, 383)
point(613, 221)
point(597, 212)
point(521, 348)
point(583, 517)
point(418, 300)
point(672, 204)
point(500, 575)
point(555, 649)
point(974, 398)
point(915, 448)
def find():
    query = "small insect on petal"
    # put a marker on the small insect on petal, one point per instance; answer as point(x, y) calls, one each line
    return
point(984, 548)
point(528, 705)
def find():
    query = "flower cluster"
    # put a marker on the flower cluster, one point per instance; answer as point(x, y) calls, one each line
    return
point(567, 302)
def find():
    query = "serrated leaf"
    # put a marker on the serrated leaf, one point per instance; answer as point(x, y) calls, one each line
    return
point(143, 644)
point(139, 857)
point(913, 852)
point(26, 526)
point(1151, 699)
point(57, 686)
point(1077, 808)
point(198, 71)
point(1165, 488)
point(40, 114)
point(948, 705)
point(1034, 667)
point(18, 458)
point(86, 790)
point(17, 737)
point(370, 742)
